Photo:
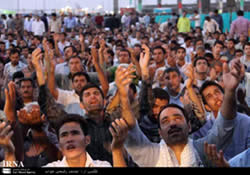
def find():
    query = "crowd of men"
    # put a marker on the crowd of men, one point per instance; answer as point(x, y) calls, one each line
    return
point(124, 91)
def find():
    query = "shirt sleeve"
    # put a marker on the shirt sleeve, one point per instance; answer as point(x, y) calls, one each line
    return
point(220, 134)
point(143, 152)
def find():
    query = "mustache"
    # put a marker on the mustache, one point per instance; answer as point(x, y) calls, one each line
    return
point(174, 129)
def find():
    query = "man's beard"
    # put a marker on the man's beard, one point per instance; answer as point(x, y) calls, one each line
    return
point(177, 135)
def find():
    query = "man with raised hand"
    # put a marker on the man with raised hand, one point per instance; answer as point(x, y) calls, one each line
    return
point(176, 149)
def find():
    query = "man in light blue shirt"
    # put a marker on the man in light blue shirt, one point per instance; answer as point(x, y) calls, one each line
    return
point(212, 95)
point(70, 23)
point(14, 65)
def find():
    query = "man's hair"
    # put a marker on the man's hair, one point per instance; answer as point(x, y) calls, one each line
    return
point(72, 118)
point(233, 40)
point(210, 55)
point(180, 48)
point(73, 48)
point(53, 14)
point(172, 106)
point(88, 86)
point(207, 84)
point(75, 57)
point(200, 58)
point(219, 42)
point(240, 13)
point(172, 69)
point(187, 38)
point(18, 74)
point(159, 47)
point(238, 50)
point(26, 79)
point(246, 44)
point(77, 74)
point(160, 94)
point(125, 50)
point(183, 91)
point(14, 51)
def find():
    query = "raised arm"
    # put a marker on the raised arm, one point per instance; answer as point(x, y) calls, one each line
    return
point(231, 79)
point(102, 78)
point(146, 97)
point(10, 111)
point(200, 111)
point(123, 78)
point(36, 61)
point(56, 40)
point(47, 103)
point(5, 142)
point(135, 62)
point(36, 56)
point(119, 131)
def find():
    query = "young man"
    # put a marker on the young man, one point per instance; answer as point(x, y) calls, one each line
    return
point(159, 59)
point(230, 53)
point(246, 58)
point(174, 86)
point(201, 69)
point(14, 65)
point(213, 95)
point(217, 49)
point(72, 132)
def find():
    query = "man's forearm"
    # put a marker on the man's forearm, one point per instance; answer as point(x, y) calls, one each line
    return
point(127, 113)
point(118, 158)
point(228, 108)
point(102, 78)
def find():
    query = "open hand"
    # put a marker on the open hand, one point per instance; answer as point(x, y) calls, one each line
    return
point(212, 154)
point(5, 137)
point(123, 78)
point(119, 131)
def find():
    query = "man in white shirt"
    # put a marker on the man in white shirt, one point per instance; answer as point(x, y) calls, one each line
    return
point(55, 24)
point(73, 138)
point(38, 27)
point(79, 80)
point(246, 58)
point(196, 19)
point(63, 42)
point(28, 24)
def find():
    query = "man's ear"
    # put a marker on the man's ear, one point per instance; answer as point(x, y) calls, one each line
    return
point(208, 108)
point(87, 140)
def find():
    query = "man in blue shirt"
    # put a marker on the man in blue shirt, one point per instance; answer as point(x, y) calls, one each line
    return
point(70, 23)
point(212, 95)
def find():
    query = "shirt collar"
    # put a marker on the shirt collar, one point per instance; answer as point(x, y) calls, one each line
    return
point(89, 161)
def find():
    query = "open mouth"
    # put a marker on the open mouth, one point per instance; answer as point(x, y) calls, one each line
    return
point(174, 131)
point(70, 147)
point(218, 103)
